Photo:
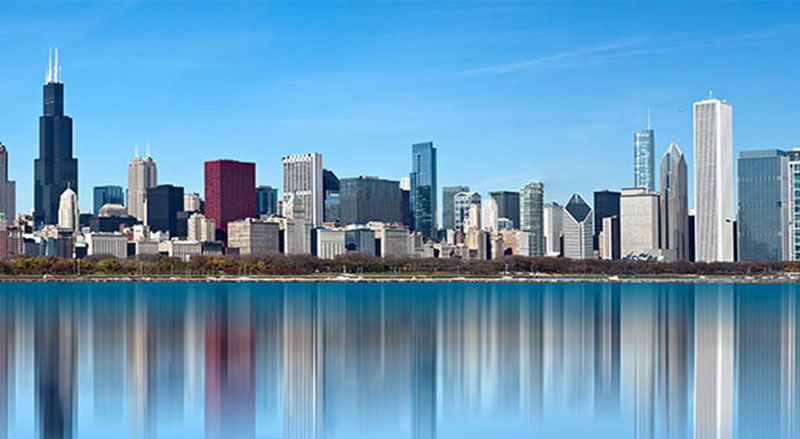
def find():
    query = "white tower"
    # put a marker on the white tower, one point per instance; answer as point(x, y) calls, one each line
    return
point(68, 210)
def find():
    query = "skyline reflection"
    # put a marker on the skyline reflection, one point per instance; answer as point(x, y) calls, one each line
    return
point(398, 360)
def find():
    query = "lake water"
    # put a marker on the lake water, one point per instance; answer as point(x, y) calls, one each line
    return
point(399, 360)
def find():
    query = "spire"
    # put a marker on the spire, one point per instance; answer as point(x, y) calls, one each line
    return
point(56, 68)
point(49, 75)
point(136, 150)
point(648, 118)
point(147, 149)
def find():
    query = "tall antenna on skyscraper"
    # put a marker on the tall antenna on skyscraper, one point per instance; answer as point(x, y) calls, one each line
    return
point(55, 68)
point(648, 118)
point(136, 150)
point(147, 149)
point(49, 75)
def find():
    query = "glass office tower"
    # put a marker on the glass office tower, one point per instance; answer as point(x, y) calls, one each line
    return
point(644, 160)
point(423, 188)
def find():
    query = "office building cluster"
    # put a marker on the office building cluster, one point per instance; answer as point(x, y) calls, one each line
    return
point(320, 214)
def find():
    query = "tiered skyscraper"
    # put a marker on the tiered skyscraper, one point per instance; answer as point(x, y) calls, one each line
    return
point(142, 175)
point(423, 188)
point(8, 189)
point(55, 169)
point(713, 180)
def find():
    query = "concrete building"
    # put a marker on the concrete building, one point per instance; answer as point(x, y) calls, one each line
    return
point(490, 220)
point(553, 228)
point(302, 180)
point(461, 208)
point(610, 242)
point(448, 203)
point(251, 236)
point(142, 175)
point(531, 216)
point(392, 239)
point(674, 211)
point(180, 249)
point(68, 210)
point(638, 222)
point(143, 248)
point(578, 229)
point(328, 243)
point(8, 188)
point(199, 228)
point(361, 240)
point(297, 228)
point(101, 243)
point(192, 202)
point(763, 224)
point(794, 204)
point(713, 180)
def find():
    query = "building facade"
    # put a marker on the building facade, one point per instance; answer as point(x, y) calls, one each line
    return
point(200, 229)
point(794, 204)
point(251, 236)
point(531, 216)
point(644, 169)
point(364, 199)
point(163, 204)
point(507, 205)
point(610, 242)
point(461, 208)
point(763, 221)
point(578, 229)
point(68, 210)
point(423, 189)
point(55, 169)
point(266, 200)
point(638, 223)
point(114, 244)
point(328, 243)
point(192, 202)
point(448, 201)
point(103, 195)
point(142, 175)
point(302, 179)
point(606, 204)
point(8, 188)
point(674, 212)
point(553, 227)
point(229, 192)
point(713, 180)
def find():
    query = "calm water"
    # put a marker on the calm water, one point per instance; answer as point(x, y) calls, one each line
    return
point(369, 360)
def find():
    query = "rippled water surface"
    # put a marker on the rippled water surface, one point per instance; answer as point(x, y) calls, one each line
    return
point(399, 360)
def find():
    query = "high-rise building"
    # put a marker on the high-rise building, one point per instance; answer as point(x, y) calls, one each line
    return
point(531, 216)
point(423, 188)
point(55, 169)
point(713, 180)
point(68, 210)
point(644, 168)
point(794, 204)
point(142, 175)
point(763, 223)
point(674, 201)
point(200, 229)
point(610, 242)
point(461, 204)
point(163, 204)
point(8, 189)
point(364, 199)
point(578, 229)
point(553, 227)
point(448, 197)
point(331, 203)
point(638, 222)
point(507, 205)
point(489, 213)
point(107, 195)
point(230, 192)
point(606, 204)
point(192, 202)
point(302, 180)
point(266, 200)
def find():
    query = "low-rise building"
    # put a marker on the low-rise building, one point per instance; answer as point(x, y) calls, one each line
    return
point(361, 240)
point(392, 239)
point(328, 243)
point(251, 236)
point(199, 228)
point(180, 249)
point(102, 243)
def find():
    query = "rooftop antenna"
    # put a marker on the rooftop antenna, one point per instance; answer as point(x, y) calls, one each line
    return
point(648, 118)
point(55, 68)
point(710, 94)
point(147, 149)
point(49, 65)
point(136, 150)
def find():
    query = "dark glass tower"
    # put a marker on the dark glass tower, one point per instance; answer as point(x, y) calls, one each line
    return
point(55, 169)
point(606, 204)
point(423, 188)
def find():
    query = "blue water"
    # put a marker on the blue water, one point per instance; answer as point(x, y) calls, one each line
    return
point(399, 360)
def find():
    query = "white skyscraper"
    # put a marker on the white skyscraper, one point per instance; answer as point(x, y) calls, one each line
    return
point(68, 210)
point(578, 229)
point(553, 227)
point(141, 176)
point(302, 180)
point(713, 180)
point(638, 212)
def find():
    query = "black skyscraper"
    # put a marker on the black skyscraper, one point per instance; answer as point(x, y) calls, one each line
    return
point(164, 202)
point(55, 169)
point(606, 204)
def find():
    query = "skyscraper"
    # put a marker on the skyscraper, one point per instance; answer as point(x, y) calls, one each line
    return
point(531, 216)
point(266, 200)
point(302, 180)
point(107, 195)
point(553, 222)
point(577, 228)
point(674, 205)
point(606, 205)
point(68, 210)
point(142, 175)
point(461, 204)
point(448, 196)
point(638, 222)
point(365, 199)
point(163, 204)
point(713, 180)
point(8, 189)
point(644, 159)
point(507, 205)
point(230, 192)
point(423, 188)
point(331, 204)
point(794, 204)
point(55, 169)
point(763, 224)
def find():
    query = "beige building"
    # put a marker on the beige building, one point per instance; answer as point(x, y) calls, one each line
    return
point(638, 211)
point(199, 228)
point(68, 210)
point(328, 243)
point(179, 249)
point(393, 239)
point(102, 243)
point(253, 236)
point(141, 176)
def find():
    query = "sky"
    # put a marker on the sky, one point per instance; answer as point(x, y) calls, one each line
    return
point(510, 92)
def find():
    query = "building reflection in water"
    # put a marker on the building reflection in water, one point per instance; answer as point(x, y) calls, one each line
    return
point(399, 360)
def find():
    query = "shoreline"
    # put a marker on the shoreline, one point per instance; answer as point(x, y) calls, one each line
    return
point(542, 278)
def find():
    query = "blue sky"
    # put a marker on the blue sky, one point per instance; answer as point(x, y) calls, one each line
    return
point(510, 92)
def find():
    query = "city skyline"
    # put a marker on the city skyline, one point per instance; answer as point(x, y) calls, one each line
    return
point(105, 134)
